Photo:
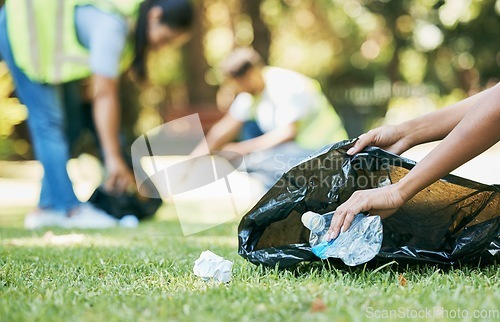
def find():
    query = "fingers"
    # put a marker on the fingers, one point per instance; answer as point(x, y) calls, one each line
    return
point(119, 182)
point(110, 183)
point(383, 201)
point(347, 221)
point(397, 148)
point(115, 184)
point(344, 215)
point(334, 226)
point(341, 221)
point(363, 141)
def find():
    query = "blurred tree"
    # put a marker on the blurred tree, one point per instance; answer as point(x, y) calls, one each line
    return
point(12, 114)
point(195, 63)
point(261, 34)
point(380, 54)
point(470, 47)
point(371, 62)
point(377, 60)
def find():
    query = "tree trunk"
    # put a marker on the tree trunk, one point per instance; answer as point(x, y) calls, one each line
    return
point(199, 92)
point(262, 35)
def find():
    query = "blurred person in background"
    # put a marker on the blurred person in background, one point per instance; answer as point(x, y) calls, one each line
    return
point(281, 115)
point(48, 43)
point(467, 128)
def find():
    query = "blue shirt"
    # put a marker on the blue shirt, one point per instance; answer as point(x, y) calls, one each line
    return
point(104, 35)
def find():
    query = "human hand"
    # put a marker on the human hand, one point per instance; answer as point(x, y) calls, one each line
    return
point(382, 201)
point(119, 178)
point(387, 137)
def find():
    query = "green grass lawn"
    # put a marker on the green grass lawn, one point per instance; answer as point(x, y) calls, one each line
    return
point(146, 274)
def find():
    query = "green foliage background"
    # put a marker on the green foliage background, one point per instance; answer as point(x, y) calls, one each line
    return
point(379, 61)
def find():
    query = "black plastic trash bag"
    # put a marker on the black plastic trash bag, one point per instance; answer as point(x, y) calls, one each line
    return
point(455, 220)
point(120, 205)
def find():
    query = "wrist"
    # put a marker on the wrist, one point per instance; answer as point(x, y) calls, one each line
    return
point(112, 158)
point(407, 133)
point(406, 189)
point(242, 148)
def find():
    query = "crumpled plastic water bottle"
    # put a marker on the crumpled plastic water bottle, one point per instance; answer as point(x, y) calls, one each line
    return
point(359, 244)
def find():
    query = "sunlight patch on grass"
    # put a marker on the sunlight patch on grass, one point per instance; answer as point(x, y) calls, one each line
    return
point(49, 238)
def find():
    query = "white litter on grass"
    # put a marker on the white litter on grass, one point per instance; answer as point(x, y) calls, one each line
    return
point(211, 266)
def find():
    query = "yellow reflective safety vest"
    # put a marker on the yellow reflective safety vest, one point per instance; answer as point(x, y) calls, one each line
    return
point(42, 35)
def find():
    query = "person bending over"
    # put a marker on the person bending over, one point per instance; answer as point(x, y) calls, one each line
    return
point(48, 43)
point(292, 115)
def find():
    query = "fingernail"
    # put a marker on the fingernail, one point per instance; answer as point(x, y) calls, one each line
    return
point(350, 151)
point(342, 229)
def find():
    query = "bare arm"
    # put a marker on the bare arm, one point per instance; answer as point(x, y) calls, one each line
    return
point(222, 132)
point(426, 128)
point(477, 131)
point(265, 141)
point(106, 113)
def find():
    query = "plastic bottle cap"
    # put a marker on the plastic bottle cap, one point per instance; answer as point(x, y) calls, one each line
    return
point(307, 217)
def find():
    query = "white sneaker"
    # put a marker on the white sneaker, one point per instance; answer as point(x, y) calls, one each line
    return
point(40, 218)
point(87, 216)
